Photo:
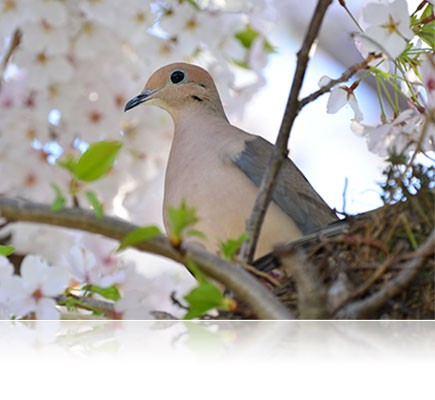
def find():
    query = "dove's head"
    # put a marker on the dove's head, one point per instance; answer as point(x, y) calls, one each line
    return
point(178, 88)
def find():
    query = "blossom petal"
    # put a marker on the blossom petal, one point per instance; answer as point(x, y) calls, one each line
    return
point(55, 281)
point(6, 268)
point(358, 115)
point(33, 269)
point(81, 262)
point(46, 309)
point(337, 99)
point(375, 14)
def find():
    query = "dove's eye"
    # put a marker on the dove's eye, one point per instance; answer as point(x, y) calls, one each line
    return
point(177, 76)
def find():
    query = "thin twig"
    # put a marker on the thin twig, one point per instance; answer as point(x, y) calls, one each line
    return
point(87, 303)
point(263, 303)
point(177, 302)
point(261, 274)
point(345, 76)
point(13, 44)
point(280, 151)
point(365, 308)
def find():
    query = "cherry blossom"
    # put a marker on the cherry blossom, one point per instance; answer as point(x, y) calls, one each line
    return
point(40, 284)
point(427, 70)
point(12, 12)
point(84, 267)
point(341, 96)
point(132, 306)
point(388, 27)
point(399, 135)
point(44, 69)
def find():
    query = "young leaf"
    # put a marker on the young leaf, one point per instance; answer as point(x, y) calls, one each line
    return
point(6, 250)
point(110, 292)
point(96, 161)
point(231, 246)
point(179, 219)
point(59, 201)
point(95, 203)
point(247, 36)
point(139, 235)
point(195, 232)
point(203, 298)
point(69, 163)
point(197, 273)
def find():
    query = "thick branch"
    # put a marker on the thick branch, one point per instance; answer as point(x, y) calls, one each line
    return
point(255, 220)
point(365, 308)
point(245, 286)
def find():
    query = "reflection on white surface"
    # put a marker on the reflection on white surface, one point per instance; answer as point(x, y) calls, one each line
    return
point(290, 340)
point(217, 360)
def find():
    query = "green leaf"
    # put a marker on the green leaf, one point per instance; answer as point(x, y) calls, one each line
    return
point(231, 246)
point(110, 292)
point(139, 235)
point(6, 250)
point(96, 161)
point(95, 203)
point(427, 34)
point(194, 4)
point(197, 273)
point(241, 64)
point(247, 36)
point(179, 219)
point(269, 47)
point(203, 298)
point(69, 163)
point(59, 201)
point(195, 232)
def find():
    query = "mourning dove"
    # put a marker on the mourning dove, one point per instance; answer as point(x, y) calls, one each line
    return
point(217, 167)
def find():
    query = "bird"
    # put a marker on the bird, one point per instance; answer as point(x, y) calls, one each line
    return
point(217, 168)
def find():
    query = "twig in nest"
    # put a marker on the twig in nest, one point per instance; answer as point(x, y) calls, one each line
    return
point(311, 291)
point(259, 273)
point(365, 308)
point(357, 239)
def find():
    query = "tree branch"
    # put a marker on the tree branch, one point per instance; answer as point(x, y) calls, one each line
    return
point(364, 308)
point(87, 303)
point(262, 301)
point(255, 220)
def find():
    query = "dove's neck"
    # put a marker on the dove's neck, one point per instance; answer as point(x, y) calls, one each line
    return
point(199, 125)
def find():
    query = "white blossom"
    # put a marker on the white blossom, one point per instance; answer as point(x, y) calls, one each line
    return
point(84, 267)
point(44, 69)
point(427, 71)
point(388, 27)
point(40, 284)
point(339, 97)
point(399, 135)
point(132, 306)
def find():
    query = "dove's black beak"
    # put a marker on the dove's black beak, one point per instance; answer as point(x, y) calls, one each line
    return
point(139, 99)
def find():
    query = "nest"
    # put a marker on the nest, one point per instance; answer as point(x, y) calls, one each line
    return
point(376, 248)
